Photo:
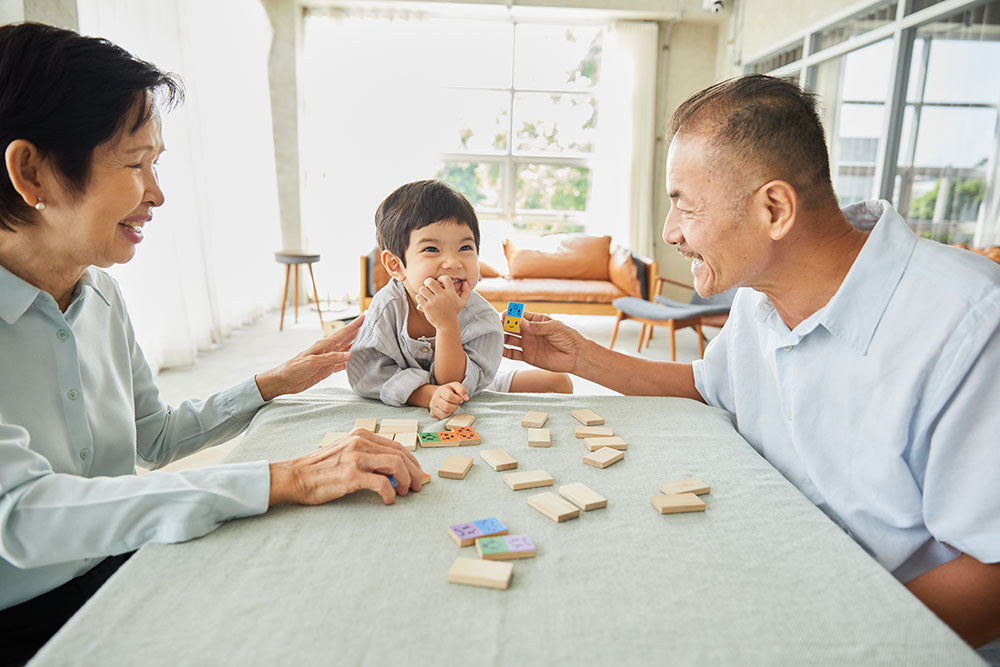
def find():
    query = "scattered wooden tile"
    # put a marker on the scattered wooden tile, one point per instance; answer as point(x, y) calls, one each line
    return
point(528, 479)
point(583, 496)
point(478, 572)
point(498, 459)
point(677, 503)
point(465, 534)
point(587, 417)
point(455, 467)
point(408, 440)
point(425, 478)
point(554, 507)
point(593, 432)
point(535, 419)
point(614, 442)
point(539, 437)
point(505, 547)
point(331, 437)
point(367, 423)
point(689, 485)
point(603, 457)
point(460, 421)
point(398, 425)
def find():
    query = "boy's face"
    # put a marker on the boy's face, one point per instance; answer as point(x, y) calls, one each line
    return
point(444, 248)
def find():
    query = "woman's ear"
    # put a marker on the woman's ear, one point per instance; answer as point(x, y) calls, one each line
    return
point(23, 161)
point(394, 265)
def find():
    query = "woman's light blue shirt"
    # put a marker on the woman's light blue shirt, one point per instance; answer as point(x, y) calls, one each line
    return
point(77, 406)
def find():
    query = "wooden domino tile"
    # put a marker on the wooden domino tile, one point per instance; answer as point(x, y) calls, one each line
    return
point(554, 507)
point(408, 440)
point(331, 437)
point(689, 485)
point(465, 534)
point(398, 425)
point(614, 442)
point(432, 440)
point(587, 417)
point(677, 503)
point(603, 457)
point(534, 419)
point(539, 437)
point(505, 547)
point(512, 324)
point(498, 459)
point(528, 479)
point(367, 423)
point(478, 572)
point(583, 496)
point(425, 478)
point(460, 421)
point(455, 467)
point(593, 432)
point(467, 436)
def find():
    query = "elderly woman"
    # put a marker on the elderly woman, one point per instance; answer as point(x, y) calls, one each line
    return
point(80, 128)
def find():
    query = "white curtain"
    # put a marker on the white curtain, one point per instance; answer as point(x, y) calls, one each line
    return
point(206, 264)
point(370, 92)
point(626, 141)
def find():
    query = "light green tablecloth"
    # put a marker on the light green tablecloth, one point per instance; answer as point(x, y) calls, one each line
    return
point(761, 577)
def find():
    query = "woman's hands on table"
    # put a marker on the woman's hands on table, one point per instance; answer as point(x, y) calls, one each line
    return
point(325, 356)
point(361, 460)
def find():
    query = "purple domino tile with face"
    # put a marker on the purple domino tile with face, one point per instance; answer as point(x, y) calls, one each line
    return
point(466, 533)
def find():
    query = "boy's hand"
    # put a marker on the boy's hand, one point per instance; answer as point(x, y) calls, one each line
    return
point(440, 302)
point(446, 399)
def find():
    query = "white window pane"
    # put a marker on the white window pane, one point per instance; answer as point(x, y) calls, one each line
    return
point(556, 57)
point(545, 187)
point(866, 72)
point(473, 121)
point(475, 53)
point(480, 182)
point(554, 123)
point(955, 137)
point(963, 71)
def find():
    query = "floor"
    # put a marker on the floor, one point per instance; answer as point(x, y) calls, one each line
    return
point(261, 346)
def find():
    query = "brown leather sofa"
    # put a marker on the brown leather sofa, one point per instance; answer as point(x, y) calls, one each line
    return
point(578, 274)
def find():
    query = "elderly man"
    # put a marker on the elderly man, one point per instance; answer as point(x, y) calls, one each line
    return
point(860, 360)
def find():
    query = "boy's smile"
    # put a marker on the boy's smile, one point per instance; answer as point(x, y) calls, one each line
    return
point(445, 248)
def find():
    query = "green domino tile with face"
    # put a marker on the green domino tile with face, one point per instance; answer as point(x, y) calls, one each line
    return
point(492, 545)
point(429, 437)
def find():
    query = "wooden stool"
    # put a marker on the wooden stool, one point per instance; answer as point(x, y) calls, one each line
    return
point(288, 258)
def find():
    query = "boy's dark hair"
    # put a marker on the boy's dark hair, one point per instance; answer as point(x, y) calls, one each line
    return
point(763, 124)
point(67, 94)
point(417, 205)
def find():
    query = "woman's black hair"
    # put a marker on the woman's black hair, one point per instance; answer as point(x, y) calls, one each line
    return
point(67, 94)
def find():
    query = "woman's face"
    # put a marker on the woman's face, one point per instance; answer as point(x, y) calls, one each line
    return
point(102, 226)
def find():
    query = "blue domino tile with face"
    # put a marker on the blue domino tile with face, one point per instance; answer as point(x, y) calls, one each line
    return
point(514, 309)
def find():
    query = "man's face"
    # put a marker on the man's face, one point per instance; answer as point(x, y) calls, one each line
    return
point(709, 219)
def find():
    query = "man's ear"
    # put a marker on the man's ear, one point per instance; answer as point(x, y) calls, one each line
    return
point(778, 204)
point(23, 161)
point(394, 265)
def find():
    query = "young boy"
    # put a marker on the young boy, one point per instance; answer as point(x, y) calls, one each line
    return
point(428, 339)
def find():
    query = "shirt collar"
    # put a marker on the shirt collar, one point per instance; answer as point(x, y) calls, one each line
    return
point(856, 309)
point(17, 295)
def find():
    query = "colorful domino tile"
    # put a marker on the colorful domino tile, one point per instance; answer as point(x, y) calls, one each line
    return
point(466, 534)
point(512, 318)
point(467, 436)
point(428, 438)
point(505, 547)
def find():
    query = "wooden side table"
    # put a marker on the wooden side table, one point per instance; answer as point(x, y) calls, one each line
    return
point(293, 258)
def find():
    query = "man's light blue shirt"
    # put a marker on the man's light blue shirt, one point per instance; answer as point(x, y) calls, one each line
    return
point(883, 407)
point(77, 406)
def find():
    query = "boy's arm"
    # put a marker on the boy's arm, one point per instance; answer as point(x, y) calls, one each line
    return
point(442, 400)
point(965, 594)
point(449, 356)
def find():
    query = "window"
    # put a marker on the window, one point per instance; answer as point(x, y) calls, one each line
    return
point(520, 133)
point(928, 142)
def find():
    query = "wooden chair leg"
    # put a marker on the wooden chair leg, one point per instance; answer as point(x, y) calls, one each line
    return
point(295, 296)
point(673, 344)
point(284, 297)
point(316, 296)
point(701, 339)
point(642, 337)
point(614, 333)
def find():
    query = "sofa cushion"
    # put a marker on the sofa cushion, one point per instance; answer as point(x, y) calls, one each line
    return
point(548, 289)
point(487, 271)
point(622, 272)
point(576, 257)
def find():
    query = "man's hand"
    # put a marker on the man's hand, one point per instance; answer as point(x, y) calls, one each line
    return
point(545, 343)
point(361, 460)
point(440, 302)
point(446, 399)
point(305, 369)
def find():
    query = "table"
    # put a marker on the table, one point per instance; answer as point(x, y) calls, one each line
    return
point(761, 577)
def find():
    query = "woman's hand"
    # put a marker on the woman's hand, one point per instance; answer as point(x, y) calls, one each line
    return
point(305, 369)
point(545, 343)
point(361, 460)
point(446, 399)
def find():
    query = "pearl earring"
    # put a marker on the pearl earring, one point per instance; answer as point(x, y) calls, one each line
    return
point(40, 206)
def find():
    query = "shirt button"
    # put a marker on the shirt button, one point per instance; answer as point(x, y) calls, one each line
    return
point(425, 349)
point(62, 335)
point(788, 348)
point(72, 394)
point(84, 453)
